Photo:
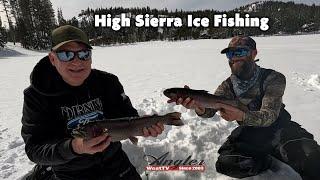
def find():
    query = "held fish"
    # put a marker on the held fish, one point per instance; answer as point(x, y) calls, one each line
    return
point(202, 98)
point(124, 128)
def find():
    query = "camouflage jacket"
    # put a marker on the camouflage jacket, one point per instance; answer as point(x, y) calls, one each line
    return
point(271, 102)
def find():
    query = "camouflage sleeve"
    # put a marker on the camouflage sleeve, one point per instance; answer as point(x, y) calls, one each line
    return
point(223, 90)
point(271, 103)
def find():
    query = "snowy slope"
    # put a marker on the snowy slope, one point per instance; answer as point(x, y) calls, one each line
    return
point(145, 70)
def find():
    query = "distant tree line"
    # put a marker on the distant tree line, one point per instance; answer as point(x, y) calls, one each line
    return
point(31, 22)
point(284, 18)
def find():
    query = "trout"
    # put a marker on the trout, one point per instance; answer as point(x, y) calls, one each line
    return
point(202, 98)
point(125, 128)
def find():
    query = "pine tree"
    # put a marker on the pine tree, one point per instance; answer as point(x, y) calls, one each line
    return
point(74, 22)
point(35, 22)
point(14, 8)
point(7, 7)
point(46, 24)
point(2, 35)
point(14, 11)
point(61, 20)
point(25, 31)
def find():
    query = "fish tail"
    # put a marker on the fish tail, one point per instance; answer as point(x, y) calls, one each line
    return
point(134, 140)
point(174, 119)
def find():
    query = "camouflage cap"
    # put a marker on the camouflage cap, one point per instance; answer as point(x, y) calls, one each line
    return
point(66, 34)
point(240, 41)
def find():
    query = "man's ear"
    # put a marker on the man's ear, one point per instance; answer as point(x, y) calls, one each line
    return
point(254, 54)
point(52, 58)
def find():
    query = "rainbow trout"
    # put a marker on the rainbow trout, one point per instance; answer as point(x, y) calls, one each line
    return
point(202, 98)
point(124, 128)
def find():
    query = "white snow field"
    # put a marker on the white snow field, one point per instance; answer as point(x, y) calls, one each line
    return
point(145, 70)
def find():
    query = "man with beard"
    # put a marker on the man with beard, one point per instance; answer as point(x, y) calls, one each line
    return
point(266, 129)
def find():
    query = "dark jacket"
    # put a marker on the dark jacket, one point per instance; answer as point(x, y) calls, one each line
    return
point(49, 103)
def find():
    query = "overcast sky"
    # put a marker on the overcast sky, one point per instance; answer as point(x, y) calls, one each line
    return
point(72, 8)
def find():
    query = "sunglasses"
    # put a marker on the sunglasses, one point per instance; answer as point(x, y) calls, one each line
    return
point(67, 56)
point(238, 52)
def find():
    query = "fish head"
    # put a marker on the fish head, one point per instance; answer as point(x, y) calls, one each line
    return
point(174, 93)
point(171, 92)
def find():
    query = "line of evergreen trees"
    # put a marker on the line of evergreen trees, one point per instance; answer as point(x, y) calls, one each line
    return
point(31, 22)
point(284, 18)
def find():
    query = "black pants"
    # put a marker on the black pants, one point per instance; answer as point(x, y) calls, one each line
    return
point(248, 151)
point(118, 168)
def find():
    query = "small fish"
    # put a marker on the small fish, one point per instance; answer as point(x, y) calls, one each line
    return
point(202, 98)
point(124, 128)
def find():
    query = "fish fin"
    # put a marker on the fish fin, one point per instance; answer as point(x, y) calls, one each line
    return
point(174, 119)
point(175, 122)
point(134, 140)
point(200, 91)
point(174, 115)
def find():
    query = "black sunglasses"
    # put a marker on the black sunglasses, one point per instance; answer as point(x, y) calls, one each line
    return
point(238, 52)
point(67, 56)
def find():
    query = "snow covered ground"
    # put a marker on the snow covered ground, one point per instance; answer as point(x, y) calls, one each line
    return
point(145, 70)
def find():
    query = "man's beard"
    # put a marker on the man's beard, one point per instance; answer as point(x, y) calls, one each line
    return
point(245, 71)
